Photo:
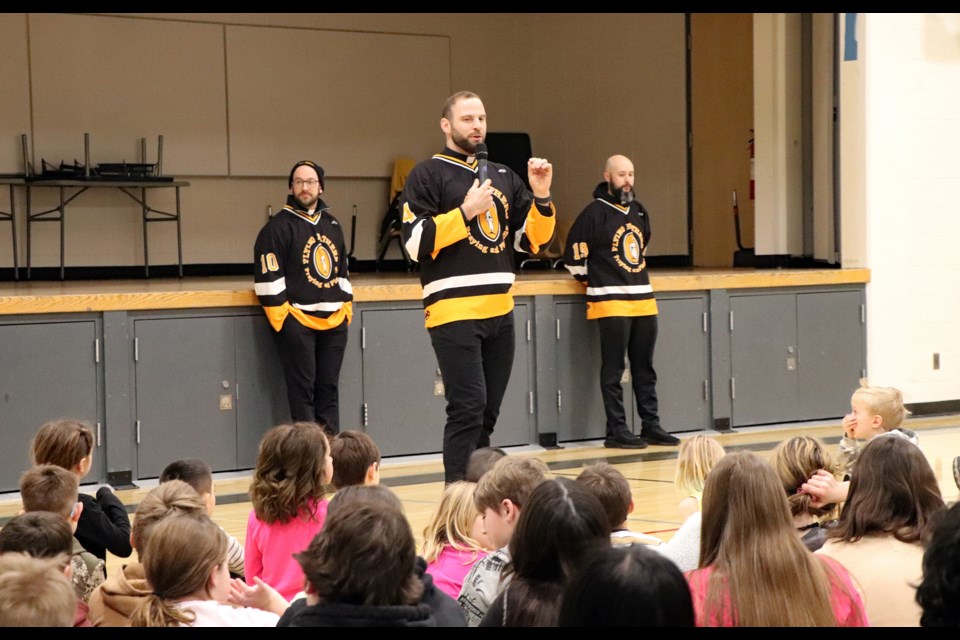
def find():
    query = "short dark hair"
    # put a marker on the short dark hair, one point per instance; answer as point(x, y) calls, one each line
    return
point(939, 590)
point(453, 100)
point(194, 471)
point(49, 487)
point(41, 534)
point(481, 461)
point(627, 586)
point(612, 489)
point(353, 452)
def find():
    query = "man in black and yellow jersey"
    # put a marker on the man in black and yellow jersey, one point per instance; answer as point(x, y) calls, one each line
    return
point(605, 252)
point(301, 278)
point(464, 232)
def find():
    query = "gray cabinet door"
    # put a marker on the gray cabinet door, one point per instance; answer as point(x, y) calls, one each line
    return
point(402, 389)
point(186, 385)
point(763, 348)
point(49, 372)
point(261, 392)
point(514, 424)
point(578, 376)
point(682, 363)
point(831, 351)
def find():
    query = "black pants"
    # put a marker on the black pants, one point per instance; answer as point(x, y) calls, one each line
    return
point(475, 358)
point(635, 336)
point(311, 366)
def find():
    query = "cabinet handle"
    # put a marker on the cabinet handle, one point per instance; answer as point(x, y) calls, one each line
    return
point(366, 414)
point(136, 349)
point(96, 350)
point(733, 388)
point(138, 432)
point(731, 321)
point(238, 392)
point(704, 321)
point(363, 338)
point(531, 403)
point(558, 328)
point(528, 331)
point(98, 434)
point(863, 314)
point(706, 390)
point(559, 401)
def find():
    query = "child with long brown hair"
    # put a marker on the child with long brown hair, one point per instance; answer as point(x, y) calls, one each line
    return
point(288, 493)
point(185, 561)
point(754, 571)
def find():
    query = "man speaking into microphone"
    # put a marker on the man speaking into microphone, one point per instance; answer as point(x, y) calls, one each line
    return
point(463, 219)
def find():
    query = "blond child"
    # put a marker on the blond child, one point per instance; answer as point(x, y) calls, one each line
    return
point(34, 592)
point(289, 499)
point(875, 411)
point(796, 459)
point(696, 457)
point(451, 541)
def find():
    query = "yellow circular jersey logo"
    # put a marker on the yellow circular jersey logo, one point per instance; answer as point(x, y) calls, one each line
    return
point(489, 223)
point(632, 253)
point(322, 262)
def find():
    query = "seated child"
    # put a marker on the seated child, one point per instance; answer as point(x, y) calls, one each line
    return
point(356, 459)
point(199, 475)
point(449, 545)
point(34, 592)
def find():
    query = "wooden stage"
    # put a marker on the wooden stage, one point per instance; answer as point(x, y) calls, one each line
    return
point(39, 297)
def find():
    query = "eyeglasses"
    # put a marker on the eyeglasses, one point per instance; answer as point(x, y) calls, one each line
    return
point(312, 182)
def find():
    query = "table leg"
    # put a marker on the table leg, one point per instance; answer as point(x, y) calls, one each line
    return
point(145, 210)
point(13, 232)
point(29, 219)
point(179, 242)
point(63, 222)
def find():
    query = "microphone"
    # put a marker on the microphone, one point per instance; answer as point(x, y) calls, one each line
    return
point(482, 155)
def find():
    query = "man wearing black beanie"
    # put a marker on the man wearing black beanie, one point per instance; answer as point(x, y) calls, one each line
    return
point(301, 279)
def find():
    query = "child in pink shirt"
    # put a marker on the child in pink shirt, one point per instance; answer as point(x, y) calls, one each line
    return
point(289, 503)
point(453, 539)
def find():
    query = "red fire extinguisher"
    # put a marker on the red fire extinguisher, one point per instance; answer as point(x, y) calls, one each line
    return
point(752, 167)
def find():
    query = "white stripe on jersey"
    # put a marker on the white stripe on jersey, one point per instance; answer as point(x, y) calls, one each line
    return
point(413, 244)
point(345, 285)
point(319, 306)
point(270, 288)
point(577, 271)
point(607, 291)
point(476, 280)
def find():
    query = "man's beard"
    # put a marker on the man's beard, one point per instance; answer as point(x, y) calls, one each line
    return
point(463, 142)
point(309, 203)
point(623, 195)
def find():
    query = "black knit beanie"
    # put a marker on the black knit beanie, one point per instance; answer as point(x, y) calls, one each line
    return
point(315, 167)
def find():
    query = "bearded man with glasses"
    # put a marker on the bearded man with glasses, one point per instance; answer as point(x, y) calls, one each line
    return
point(301, 279)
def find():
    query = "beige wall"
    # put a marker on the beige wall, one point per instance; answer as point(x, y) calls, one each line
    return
point(580, 93)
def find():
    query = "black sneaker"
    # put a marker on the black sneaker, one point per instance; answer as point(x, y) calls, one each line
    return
point(625, 440)
point(656, 435)
point(956, 471)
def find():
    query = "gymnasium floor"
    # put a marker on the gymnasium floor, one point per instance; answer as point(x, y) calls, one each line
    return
point(418, 480)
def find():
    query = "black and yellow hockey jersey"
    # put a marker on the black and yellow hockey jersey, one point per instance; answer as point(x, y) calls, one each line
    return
point(467, 269)
point(301, 268)
point(605, 250)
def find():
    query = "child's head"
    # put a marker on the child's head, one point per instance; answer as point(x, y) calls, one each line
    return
point(365, 552)
point(796, 459)
point(196, 473)
point(34, 592)
point(612, 489)
point(356, 459)
point(185, 558)
point(893, 491)
point(48, 487)
point(627, 586)
point(502, 492)
point(696, 457)
point(482, 460)
point(876, 410)
point(170, 498)
point(65, 443)
point(452, 523)
point(40, 534)
point(293, 468)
